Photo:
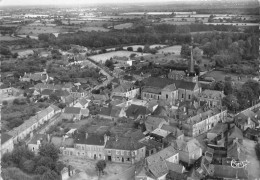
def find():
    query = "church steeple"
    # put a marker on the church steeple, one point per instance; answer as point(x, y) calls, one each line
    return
point(191, 62)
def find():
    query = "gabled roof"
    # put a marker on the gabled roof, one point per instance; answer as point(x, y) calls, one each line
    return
point(61, 93)
point(153, 122)
point(235, 132)
point(137, 134)
point(160, 111)
point(83, 101)
point(177, 175)
point(236, 151)
point(123, 143)
point(174, 130)
point(174, 72)
point(189, 146)
point(5, 137)
point(224, 171)
point(219, 128)
point(157, 163)
point(163, 82)
point(136, 110)
point(124, 87)
point(112, 111)
point(47, 92)
point(92, 139)
point(72, 110)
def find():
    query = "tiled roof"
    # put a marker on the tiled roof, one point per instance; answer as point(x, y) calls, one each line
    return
point(61, 93)
point(55, 108)
point(151, 144)
point(163, 82)
point(28, 123)
point(219, 128)
point(175, 167)
point(176, 175)
point(212, 94)
point(174, 130)
point(136, 110)
point(189, 146)
point(5, 137)
point(157, 162)
point(83, 101)
point(252, 132)
point(236, 151)
point(137, 134)
point(224, 171)
point(160, 111)
point(36, 76)
point(112, 111)
point(235, 132)
point(153, 122)
point(47, 92)
point(84, 111)
point(170, 87)
point(123, 143)
point(72, 110)
point(153, 90)
point(92, 139)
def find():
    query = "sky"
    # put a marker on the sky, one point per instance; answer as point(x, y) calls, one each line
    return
point(75, 2)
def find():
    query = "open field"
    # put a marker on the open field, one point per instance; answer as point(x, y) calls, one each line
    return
point(124, 26)
point(172, 49)
point(35, 31)
point(103, 57)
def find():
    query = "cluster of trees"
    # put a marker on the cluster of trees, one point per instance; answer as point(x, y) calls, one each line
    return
point(70, 73)
point(238, 98)
point(228, 48)
point(160, 33)
point(22, 163)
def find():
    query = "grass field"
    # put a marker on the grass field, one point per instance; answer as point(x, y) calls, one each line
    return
point(124, 26)
point(172, 49)
point(103, 57)
point(157, 45)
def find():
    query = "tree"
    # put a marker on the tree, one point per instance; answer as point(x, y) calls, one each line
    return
point(209, 49)
point(219, 86)
point(5, 103)
point(29, 166)
point(49, 175)
point(231, 102)
point(139, 49)
point(185, 50)
point(228, 89)
point(197, 54)
point(100, 166)
point(129, 49)
point(49, 150)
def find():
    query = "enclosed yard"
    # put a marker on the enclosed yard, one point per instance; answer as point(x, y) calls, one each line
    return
point(172, 49)
point(106, 56)
point(124, 26)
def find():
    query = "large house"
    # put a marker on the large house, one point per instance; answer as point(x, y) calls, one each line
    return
point(189, 151)
point(212, 97)
point(127, 90)
point(246, 119)
point(203, 122)
point(87, 146)
point(124, 150)
point(35, 77)
point(169, 90)
point(160, 163)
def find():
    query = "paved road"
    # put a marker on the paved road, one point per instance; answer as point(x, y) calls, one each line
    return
point(109, 77)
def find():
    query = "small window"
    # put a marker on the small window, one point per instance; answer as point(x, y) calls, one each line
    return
point(182, 96)
point(166, 96)
point(189, 96)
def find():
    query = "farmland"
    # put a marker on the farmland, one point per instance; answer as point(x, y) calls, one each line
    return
point(162, 58)
point(89, 29)
point(103, 57)
point(35, 31)
point(8, 38)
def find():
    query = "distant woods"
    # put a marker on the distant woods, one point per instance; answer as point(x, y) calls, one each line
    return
point(159, 33)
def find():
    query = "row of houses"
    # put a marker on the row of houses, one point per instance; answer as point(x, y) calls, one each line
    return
point(23, 131)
